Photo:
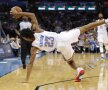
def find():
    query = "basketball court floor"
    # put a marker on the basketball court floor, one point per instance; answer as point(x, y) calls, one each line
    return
point(51, 72)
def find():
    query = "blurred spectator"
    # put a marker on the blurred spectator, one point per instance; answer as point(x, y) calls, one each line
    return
point(81, 45)
point(15, 46)
point(58, 29)
point(92, 44)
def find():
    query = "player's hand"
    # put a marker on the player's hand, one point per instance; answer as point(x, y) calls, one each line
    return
point(106, 21)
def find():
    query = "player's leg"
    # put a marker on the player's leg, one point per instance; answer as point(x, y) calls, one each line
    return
point(23, 57)
point(101, 49)
point(30, 65)
point(68, 52)
point(106, 44)
point(29, 48)
point(92, 25)
point(106, 48)
point(23, 53)
point(80, 71)
point(71, 63)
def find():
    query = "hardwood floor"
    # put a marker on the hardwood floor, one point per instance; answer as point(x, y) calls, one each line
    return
point(52, 68)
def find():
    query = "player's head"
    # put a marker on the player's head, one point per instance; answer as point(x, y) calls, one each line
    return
point(27, 34)
point(100, 16)
point(17, 8)
point(14, 10)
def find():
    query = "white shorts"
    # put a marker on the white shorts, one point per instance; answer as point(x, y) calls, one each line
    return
point(65, 39)
point(103, 38)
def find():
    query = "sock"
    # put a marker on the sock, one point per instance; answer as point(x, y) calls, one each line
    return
point(102, 55)
point(79, 69)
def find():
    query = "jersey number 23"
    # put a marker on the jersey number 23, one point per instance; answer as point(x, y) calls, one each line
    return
point(46, 41)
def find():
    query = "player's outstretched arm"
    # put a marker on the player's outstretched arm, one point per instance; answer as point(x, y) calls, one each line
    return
point(89, 26)
point(30, 65)
point(35, 24)
point(29, 15)
point(32, 16)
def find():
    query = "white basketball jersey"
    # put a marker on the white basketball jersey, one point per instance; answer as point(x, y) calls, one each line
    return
point(45, 41)
point(25, 25)
point(102, 29)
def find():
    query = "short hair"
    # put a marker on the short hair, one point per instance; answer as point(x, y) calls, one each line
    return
point(27, 33)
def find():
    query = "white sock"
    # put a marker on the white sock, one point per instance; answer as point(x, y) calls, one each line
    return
point(79, 69)
point(102, 55)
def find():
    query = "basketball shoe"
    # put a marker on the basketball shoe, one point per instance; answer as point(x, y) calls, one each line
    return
point(80, 72)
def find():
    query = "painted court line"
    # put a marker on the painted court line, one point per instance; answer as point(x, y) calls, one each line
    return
point(40, 86)
point(103, 78)
point(3, 62)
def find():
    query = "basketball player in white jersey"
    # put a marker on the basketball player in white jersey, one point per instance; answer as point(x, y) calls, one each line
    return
point(48, 41)
point(102, 36)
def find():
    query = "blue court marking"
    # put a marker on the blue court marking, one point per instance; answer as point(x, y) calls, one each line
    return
point(10, 64)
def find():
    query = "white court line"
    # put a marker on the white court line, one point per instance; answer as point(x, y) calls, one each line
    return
point(3, 62)
point(101, 76)
point(105, 83)
point(12, 59)
point(103, 79)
